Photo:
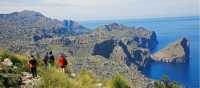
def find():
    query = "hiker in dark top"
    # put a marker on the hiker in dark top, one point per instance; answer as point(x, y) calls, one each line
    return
point(33, 66)
point(46, 58)
point(51, 59)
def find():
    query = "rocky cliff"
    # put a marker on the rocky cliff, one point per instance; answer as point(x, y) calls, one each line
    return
point(177, 52)
point(124, 44)
point(142, 37)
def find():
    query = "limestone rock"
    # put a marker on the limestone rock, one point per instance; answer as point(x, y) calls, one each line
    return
point(7, 62)
point(118, 55)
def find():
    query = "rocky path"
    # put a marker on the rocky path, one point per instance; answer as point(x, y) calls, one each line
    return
point(27, 81)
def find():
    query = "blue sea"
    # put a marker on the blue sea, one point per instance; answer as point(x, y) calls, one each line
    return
point(168, 30)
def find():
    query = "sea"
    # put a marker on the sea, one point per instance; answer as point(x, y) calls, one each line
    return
point(168, 30)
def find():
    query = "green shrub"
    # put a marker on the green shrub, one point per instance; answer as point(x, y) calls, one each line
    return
point(85, 79)
point(52, 78)
point(119, 82)
point(166, 83)
point(3, 55)
point(18, 60)
point(10, 75)
point(9, 80)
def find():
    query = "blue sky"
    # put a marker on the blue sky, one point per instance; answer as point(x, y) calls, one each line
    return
point(104, 9)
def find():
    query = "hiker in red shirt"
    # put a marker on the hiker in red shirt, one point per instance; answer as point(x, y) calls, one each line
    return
point(62, 62)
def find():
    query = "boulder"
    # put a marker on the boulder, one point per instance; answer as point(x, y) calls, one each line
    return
point(7, 62)
point(177, 52)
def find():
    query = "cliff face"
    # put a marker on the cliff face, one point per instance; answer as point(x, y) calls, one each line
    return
point(146, 38)
point(119, 55)
point(104, 48)
point(124, 44)
point(129, 35)
point(125, 54)
point(141, 57)
point(177, 52)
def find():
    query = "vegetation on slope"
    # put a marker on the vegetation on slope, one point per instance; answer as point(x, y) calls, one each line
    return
point(10, 75)
point(53, 78)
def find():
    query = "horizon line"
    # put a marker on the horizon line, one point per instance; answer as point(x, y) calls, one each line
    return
point(126, 18)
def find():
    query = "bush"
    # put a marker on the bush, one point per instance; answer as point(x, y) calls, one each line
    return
point(85, 79)
point(9, 80)
point(166, 83)
point(18, 60)
point(9, 76)
point(15, 58)
point(53, 78)
point(3, 55)
point(119, 82)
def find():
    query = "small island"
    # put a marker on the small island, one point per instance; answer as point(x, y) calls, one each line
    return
point(177, 52)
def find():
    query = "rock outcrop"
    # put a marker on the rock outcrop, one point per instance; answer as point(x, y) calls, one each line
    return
point(119, 55)
point(141, 57)
point(177, 52)
point(124, 53)
point(7, 62)
point(124, 44)
point(146, 38)
point(142, 37)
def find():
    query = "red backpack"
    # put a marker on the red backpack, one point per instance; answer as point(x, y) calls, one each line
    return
point(62, 61)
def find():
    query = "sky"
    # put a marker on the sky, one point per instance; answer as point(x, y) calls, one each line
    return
point(104, 9)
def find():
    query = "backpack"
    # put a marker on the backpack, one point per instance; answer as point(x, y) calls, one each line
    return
point(62, 61)
point(32, 63)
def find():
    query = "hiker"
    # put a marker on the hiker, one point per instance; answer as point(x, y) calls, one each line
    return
point(33, 66)
point(46, 58)
point(62, 62)
point(51, 59)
